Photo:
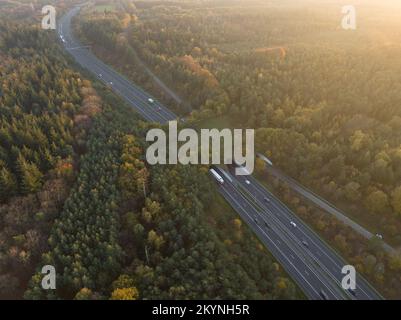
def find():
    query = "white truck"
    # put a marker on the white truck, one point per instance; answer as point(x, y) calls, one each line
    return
point(266, 159)
point(218, 177)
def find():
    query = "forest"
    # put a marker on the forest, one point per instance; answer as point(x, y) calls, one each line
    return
point(44, 117)
point(325, 102)
point(76, 193)
point(327, 113)
point(129, 231)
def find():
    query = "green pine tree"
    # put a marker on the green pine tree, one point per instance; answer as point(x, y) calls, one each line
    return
point(30, 176)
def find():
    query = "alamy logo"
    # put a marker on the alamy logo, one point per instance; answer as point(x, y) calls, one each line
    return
point(349, 20)
point(349, 280)
point(49, 280)
point(49, 20)
point(188, 152)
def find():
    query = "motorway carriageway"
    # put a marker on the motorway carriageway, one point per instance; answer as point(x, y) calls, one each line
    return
point(317, 269)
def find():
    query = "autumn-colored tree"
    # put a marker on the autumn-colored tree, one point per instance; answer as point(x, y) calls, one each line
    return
point(84, 294)
point(377, 201)
point(125, 294)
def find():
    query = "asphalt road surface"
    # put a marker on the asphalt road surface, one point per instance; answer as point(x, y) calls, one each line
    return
point(325, 205)
point(312, 280)
point(314, 266)
point(305, 241)
point(150, 110)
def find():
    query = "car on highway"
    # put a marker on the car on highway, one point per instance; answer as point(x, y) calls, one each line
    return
point(111, 82)
point(237, 196)
point(305, 243)
point(353, 292)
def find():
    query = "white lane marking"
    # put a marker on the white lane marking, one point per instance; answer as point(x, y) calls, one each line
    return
point(261, 190)
point(272, 242)
point(141, 96)
point(303, 258)
point(97, 63)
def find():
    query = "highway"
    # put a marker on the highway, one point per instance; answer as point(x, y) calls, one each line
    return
point(312, 280)
point(324, 204)
point(133, 95)
point(315, 267)
point(306, 240)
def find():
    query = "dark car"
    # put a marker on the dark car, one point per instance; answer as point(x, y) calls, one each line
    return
point(353, 292)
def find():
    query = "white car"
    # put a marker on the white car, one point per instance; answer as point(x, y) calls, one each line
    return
point(111, 82)
point(379, 236)
point(293, 224)
point(151, 100)
point(247, 182)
